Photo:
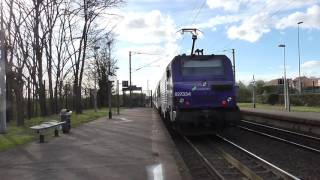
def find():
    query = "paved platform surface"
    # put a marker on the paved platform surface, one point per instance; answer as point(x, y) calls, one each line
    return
point(312, 116)
point(132, 146)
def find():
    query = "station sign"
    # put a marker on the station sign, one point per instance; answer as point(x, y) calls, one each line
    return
point(125, 84)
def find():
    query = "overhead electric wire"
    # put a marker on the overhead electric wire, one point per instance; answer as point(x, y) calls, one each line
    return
point(148, 64)
point(201, 7)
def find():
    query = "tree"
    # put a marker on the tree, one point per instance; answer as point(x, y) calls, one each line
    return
point(89, 10)
point(244, 93)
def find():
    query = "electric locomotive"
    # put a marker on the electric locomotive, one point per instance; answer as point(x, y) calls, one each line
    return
point(197, 93)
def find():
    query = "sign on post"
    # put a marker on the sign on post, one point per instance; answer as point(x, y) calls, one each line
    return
point(125, 84)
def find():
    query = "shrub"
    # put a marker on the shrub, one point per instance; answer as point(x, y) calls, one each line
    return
point(272, 99)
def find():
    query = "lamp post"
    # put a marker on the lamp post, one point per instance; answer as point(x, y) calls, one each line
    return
point(95, 80)
point(130, 91)
point(3, 125)
point(3, 56)
point(300, 84)
point(253, 92)
point(109, 82)
point(285, 84)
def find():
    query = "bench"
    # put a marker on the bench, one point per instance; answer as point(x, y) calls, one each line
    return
point(43, 127)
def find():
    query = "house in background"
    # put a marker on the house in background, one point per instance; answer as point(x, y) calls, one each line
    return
point(308, 83)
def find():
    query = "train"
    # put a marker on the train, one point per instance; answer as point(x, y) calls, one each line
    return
point(197, 94)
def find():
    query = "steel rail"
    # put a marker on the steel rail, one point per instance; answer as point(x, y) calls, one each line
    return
point(277, 170)
point(205, 160)
point(282, 130)
point(280, 139)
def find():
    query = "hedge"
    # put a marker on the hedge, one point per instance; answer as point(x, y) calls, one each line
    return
point(295, 99)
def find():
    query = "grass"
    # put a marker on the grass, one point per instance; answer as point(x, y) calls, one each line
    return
point(16, 136)
point(280, 107)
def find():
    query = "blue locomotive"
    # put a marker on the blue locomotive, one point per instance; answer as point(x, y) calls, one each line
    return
point(198, 92)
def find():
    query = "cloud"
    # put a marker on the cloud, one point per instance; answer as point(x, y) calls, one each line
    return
point(146, 28)
point(311, 19)
point(149, 32)
point(219, 20)
point(258, 17)
point(251, 29)
point(227, 5)
point(311, 68)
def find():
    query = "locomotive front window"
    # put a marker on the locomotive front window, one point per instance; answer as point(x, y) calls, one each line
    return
point(212, 67)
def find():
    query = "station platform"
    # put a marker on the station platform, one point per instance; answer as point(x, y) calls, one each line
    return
point(308, 122)
point(132, 146)
point(306, 116)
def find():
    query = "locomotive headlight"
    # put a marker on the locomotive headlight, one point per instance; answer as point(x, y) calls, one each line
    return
point(181, 100)
point(229, 99)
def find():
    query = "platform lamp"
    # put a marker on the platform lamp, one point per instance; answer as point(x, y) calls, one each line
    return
point(300, 84)
point(285, 84)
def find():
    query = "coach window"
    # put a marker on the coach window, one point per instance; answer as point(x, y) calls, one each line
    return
point(168, 74)
point(158, 91)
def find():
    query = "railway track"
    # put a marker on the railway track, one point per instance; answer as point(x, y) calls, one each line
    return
point(227, 160)
point(300, 140)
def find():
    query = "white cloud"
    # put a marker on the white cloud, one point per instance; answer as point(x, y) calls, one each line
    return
point(311, 68)
point(147, 32)
point(258, 17)
point(219, 20)
point(311, 64)
point(227, 5)
point(146, 28)
point(251, 29)
point(311, 19)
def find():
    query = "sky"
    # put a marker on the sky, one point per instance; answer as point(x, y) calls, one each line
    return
point(254, 28)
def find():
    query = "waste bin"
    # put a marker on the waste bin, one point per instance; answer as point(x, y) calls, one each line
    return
point(65, 116)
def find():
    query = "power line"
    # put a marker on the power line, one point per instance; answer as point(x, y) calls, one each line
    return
point(148, 64)
point(201, 7)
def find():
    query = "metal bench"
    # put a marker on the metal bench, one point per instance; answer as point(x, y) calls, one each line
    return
point(43, 127)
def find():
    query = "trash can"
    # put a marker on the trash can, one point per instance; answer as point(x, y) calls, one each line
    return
point(65, 116)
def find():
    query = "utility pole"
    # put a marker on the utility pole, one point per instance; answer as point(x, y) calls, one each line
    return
point(130, 90)
point(253, 92)
point(234, 65)
point(109, 82)
point(3, 56)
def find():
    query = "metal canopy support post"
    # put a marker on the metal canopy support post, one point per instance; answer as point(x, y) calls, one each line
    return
point(3, 125)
